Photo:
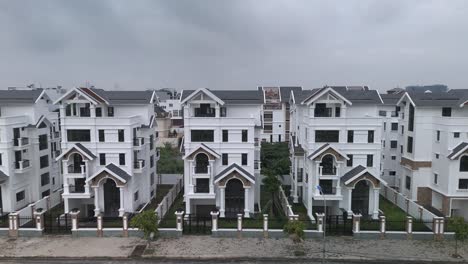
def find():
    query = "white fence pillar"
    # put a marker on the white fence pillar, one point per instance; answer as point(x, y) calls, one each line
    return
point(74, 217)
point(409, 226)
point(320, 218)
point(382, 226)
point(356, 223)
point(214, 219)
point(179, 215)
point(265, 225)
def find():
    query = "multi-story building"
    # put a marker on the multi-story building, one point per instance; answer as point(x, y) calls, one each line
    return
point(169, 101)
point(221, 168)
point(391, 133)
point(276, 115)
point(336, 144)
point(29, 142)
point(434, 149)
point(108, 150)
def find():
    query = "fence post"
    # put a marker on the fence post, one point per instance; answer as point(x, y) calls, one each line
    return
point(74, 219)
point(13, 224)
point(48, 202)
point(179, 215)
point(382, 226)
point(125, 225)
point(409, 226)
point(239, 225)
point(214, 219)
point(421, 209)
point(407, 205)
point(265, 225)
point(39, 219)
point(441, 227)
point(357, 223)
point(320, 222)
point(436, 227)
point(99, 226)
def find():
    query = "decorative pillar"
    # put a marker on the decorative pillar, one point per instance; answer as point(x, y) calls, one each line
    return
point(239, 225)
point(265, 225)
point(214, 219)
point(356, 223)
point(13, 224)
point(97, 211)
point(190, 176)
point(125, 225)
point(295, 197)
point(338, 181)
point(421, 209)
point(382, 226)
point(92, 109)
point(179, 215)
point(246, 203)
point(350, 199)
point(100, 231)
point(409, 226)
point(39, 219)
point(375, 212)
point(74, 218)
point(320, 218)
point(122, 208)
point(222, 190)
point(210, 171)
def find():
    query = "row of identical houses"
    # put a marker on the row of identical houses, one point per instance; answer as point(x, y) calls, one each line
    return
point(97, 147)
point(350, 141)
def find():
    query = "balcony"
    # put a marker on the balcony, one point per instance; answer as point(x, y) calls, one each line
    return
point(328, 171)
point(201, 170)
point(79, 170)
point(204, 111)
point(139, 165)
point(201, 188)
point(76, 188)
point(138, 142)
point(21, 142)
point(22, 165)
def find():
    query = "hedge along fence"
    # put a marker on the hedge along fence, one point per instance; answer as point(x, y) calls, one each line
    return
point(169, 199)
point(418, 212)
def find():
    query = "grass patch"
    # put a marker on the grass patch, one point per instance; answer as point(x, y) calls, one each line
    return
point(169, 221)
point(161, 192)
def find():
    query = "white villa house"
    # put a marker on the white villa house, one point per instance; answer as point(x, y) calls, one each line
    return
point(108, 150)
point(336, 144)
point(434, 149)
point(29, 142)
point(221, 168)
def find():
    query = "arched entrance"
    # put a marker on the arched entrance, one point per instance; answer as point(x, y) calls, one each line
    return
point(360, 198)
point(201, 163)
point(234, 198)
point(111, 198)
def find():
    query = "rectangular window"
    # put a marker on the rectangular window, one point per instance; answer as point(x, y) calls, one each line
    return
point(370, 136)
point(135, 196)
point(78, 135)
point(392, 173)
point(43, 142)
point(225, 135)
point(121, 135)
point(393, 157)
point(20, 196)
point(401, 149)
point(337, 111)
point(370, 161)
point(1, 162)
point(244, 159)
point(409, 148)
point(402, 130)
point(436, 178)
point(327, 135)
point(349, 162)
point(463, 184)
point(408, 183)
point(152, 161)
point(202, 135)
point(446, 111)
point(225, 159)
point(223, 111)
point(245, 135)
point(350, 136)
point(45, 193)
point(45, 179)
point(98, 111)
point(437, 156)
point(456, 134)
point(110, 111)
point(438, 135)
point(394, 126)
point(121, 158)
point(102, 159)
point(411, 118)
point(321, 110)
point(44, 161)
point(205, 110)
point(393, 144)
point(101, 135)
point(151, 141)
point(382, 113)
point(152, 178)
point(384, 126)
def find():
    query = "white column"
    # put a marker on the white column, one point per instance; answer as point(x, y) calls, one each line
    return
point(338, 184)
point(92, 109)
point(222, 190)
point(295, 200)
point(190, 180)
point(121, 209)
point(316, 181)
point(246, 202)
point(375, 212)
point(87, 176)
point(97, 211)
point(350, 199)
point(211, 176)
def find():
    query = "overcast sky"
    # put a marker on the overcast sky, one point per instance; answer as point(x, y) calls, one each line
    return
point(233, 44)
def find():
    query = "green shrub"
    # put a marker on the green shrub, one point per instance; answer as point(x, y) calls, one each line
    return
point(295, 229)
point(146, 221)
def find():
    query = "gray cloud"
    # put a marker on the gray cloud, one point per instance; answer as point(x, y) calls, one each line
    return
point(233, 44)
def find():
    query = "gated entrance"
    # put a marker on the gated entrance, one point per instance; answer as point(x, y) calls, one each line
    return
point(54, 224)
point(339, 225)
point(197, 225)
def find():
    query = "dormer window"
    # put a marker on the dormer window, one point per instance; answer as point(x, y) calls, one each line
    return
point(321, 110)
point(205, 110)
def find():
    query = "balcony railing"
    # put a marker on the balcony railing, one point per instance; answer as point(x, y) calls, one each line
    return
point(76, 188)
point(138, 142)
point(209, 112)
point(202, 188)
point(21, 142)
point(328, 190)
point(328, 170)
point(201, 169)
point(22, 164)
point(323, 112)
point(76, 169)
point(139, 164)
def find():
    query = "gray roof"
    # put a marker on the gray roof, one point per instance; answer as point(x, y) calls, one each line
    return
point(163, 95)
point(124, 97)
point(457, 149)
point(3, 177)
point(390, 99)
point(19, 96)
point(354, 96)
point(85, 150)
point(324, 146)
point(350, 174)
point(451, 98)
point(118, 171)
point(286, 92)
point(233, 96)
point(237, 167)
point(298, 150)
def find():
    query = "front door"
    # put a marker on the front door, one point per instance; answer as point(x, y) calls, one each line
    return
point(234, 198)
point(360, 198)
point(111, 198)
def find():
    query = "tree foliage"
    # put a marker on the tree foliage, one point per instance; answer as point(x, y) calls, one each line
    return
point(295, 229)
point(275, 156)
point(146, 221)
point(170, 160)
point(460, 227)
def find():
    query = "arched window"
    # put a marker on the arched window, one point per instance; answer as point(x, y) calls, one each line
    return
point(328, 167)
point(464, 163)
point(201, 161)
